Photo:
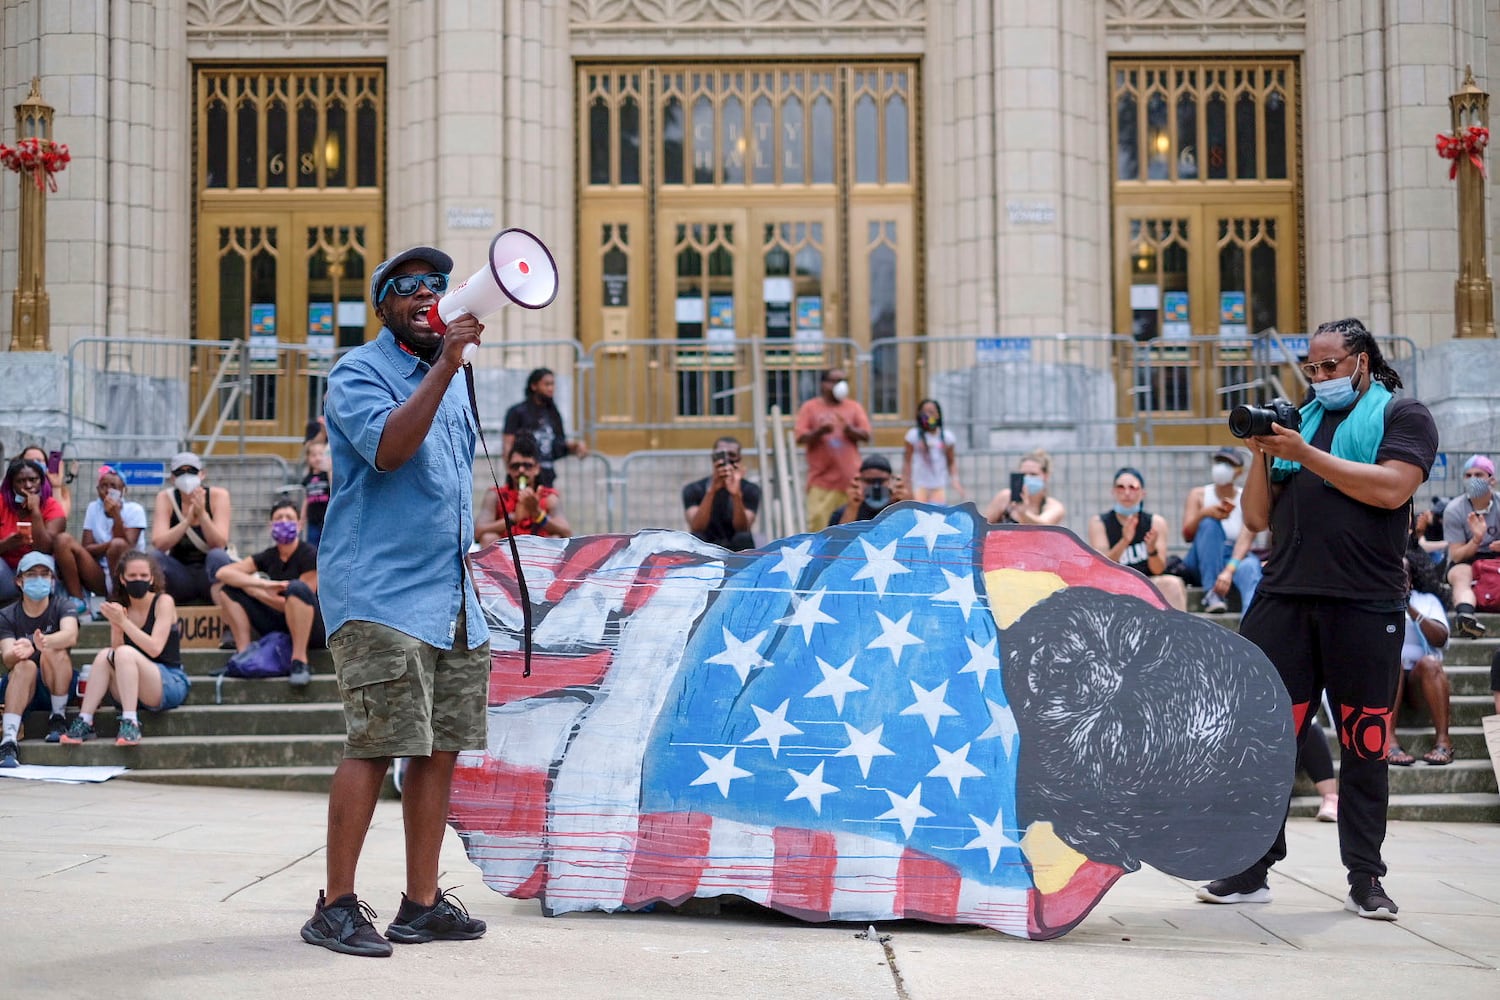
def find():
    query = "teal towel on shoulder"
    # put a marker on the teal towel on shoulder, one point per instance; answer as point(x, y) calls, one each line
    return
point(1357, 438)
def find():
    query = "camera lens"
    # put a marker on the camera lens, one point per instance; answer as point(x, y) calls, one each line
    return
point(1249, 421)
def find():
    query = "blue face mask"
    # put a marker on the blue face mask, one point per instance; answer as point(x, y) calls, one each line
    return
point(1127, 510)
point(1476, 488)
point(36, 587)
point(1034, 484)
point(1337, 393)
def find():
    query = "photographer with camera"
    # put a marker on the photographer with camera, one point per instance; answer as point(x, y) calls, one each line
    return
point(720, 509)
point(1334, 483)
point(870, 492)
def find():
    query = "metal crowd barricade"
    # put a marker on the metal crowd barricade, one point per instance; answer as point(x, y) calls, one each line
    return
point(500, 371)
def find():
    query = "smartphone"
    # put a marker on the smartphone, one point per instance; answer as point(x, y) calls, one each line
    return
point(113, 495)
point(1017, 486)
point(54, 461)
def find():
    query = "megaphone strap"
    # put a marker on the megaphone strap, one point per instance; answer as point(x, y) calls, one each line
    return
point(510, 535)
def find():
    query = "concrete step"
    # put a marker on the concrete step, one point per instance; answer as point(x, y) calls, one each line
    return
point(1427, 779)
point(1469, 681)
point(285, 779)
point(1467, 807)
point(205, 661)
point(198, 719)
point(1468, 741)
point(185, 752)
point(1463, 710)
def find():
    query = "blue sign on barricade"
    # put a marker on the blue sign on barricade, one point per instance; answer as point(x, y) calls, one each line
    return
point(141, 473)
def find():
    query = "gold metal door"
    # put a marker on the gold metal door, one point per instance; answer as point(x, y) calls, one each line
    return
point(293, 287)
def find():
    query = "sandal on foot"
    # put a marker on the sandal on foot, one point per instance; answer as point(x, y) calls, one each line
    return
point(1439, 755)
point(1397, 757)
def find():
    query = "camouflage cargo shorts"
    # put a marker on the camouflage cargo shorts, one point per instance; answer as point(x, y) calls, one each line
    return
point(404, 698)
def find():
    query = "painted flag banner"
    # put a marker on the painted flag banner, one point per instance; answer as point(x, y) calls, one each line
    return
point(917, 716)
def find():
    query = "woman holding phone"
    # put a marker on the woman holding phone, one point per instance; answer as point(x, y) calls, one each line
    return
point(1027, 500)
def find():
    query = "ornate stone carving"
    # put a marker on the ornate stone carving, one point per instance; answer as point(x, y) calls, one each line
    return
point(717, 15)
point(231, 19)
point(1170, 16)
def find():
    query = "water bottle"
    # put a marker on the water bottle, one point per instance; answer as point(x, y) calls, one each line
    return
point(83, 678)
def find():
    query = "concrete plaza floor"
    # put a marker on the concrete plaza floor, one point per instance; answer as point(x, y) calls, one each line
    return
point(130, 890)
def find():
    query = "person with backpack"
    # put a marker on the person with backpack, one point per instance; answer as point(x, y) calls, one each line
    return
point(276, 590)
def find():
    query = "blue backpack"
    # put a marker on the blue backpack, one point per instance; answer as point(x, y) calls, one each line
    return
point(268, 656)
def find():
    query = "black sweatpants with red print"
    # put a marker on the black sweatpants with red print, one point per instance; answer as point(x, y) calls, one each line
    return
point(1355, 654)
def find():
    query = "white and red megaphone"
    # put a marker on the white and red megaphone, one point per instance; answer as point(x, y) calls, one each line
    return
point(520, 270)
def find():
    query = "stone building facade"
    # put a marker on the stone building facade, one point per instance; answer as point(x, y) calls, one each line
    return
point(1001, 202)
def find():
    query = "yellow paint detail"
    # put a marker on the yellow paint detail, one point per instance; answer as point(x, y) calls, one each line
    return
point(1012, 592)
point(1052, 862)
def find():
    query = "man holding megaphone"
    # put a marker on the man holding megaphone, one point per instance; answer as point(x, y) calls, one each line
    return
point(408, 639)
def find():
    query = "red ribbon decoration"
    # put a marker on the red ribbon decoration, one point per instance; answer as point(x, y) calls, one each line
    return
point(1470, 142)
point(42, 157)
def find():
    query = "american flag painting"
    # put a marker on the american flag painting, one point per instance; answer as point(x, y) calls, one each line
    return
point(918, 716)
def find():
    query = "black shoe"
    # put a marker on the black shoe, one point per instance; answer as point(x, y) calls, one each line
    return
point(1367, 898)
point(345, 925)
point(1247, 887)
point(301, 676)
point(1469, 626)
point(9, 756)
point(56, 726)
point(444, 920)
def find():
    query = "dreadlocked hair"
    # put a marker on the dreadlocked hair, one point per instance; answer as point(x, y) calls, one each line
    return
point(1358, 340)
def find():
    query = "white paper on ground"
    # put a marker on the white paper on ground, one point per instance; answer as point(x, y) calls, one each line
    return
point(63, 774)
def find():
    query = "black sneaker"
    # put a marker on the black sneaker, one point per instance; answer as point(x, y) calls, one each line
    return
point(56, 726)
point(1367, 898)
point(444, 920)
point(345, 925)
point(301, 676)
point(1246, 887)
point(9, 754)
point(1469, 626)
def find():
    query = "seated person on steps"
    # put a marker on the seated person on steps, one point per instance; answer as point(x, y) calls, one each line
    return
point(1220, 556)
point(533, 509)
point(30, 520)
point(142, 668)
point(112, 526)
point(36, 634)
point(190, 530)
point(275, 590)
point(1471, 527)
point(1423, 682)
point(1133, 536)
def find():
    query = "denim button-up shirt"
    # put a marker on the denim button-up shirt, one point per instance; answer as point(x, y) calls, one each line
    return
point(394, 541)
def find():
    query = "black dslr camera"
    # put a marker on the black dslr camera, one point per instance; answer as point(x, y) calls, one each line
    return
point(1257, 421)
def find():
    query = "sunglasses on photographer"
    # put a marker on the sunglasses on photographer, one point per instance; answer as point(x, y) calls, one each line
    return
point(407, 284)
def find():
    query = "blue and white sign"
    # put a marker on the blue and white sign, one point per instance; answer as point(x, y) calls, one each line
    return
point(998, 350)
point(141, 473)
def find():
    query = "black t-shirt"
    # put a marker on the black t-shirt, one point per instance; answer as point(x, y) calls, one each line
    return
point(1137, 554)
point(720, 529)
point(304, 558)
point(544, 424)
point(316, 486)
point(1327, 544)
point(865, 513)
point(16, 624)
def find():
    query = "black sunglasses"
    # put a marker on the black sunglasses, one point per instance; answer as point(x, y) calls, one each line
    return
point(407, 284)
point(521, 466)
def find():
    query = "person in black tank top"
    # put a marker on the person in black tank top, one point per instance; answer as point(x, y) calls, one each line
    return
point(1330, 609)
point(1136, 538)
point(142, 667)
point(190, 531)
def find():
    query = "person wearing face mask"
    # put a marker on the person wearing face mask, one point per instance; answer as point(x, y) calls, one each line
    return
point(405, 630)
point(112, 526)
point(831, 426)
point(1471, 527)
point(930, 462)
point(1332, 602)
point(1220, 555)
point(36, 634)
point(142, 668)
point(1133, 536)
point(190, 531)
point(1034, 505)
point(30, 520)
point(275, 590)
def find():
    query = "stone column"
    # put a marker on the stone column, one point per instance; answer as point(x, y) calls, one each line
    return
point(31, 322)
point(1474, 295)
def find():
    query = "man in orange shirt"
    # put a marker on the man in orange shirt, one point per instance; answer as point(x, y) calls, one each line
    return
point(832, 427)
